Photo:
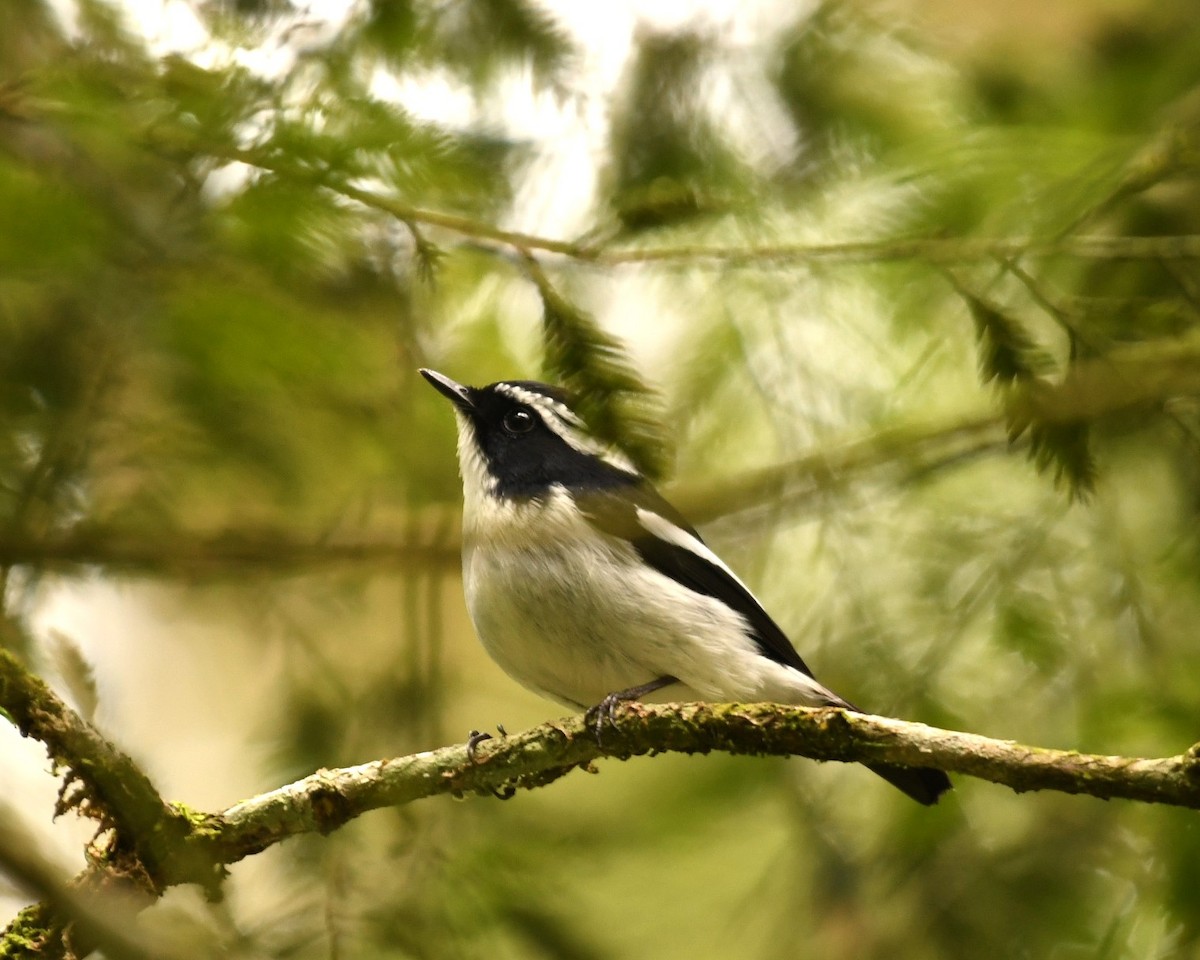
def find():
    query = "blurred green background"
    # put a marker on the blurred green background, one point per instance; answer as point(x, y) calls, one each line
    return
point(228, 505)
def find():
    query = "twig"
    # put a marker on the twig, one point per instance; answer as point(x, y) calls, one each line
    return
point(939, 250)
point(227, 552)
point(913, 450)
point(433, 537)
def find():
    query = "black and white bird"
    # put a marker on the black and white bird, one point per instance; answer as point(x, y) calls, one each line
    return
point(587, 587)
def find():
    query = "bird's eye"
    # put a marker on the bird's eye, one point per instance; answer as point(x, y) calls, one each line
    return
point(519, 420)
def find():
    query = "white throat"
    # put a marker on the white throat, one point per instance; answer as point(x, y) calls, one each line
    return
point(478, 482)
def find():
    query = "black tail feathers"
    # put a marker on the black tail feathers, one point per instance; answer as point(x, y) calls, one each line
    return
point(921, 783)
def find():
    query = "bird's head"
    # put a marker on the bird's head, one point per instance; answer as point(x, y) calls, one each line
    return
point(517, 439)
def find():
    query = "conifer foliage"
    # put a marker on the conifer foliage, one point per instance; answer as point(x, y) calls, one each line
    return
point(907, 312)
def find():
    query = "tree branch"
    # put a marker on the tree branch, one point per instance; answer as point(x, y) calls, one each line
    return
point(1130, 377)
point(97, 917)
point(938, 250)
point(433, 537)
point(328, 799)
point(228, 552)
point(101, 781)
point(908, 450)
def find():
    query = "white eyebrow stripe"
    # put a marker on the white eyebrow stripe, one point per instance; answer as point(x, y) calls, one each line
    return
point(564, 422)
point(543, 404)
point(662, 528)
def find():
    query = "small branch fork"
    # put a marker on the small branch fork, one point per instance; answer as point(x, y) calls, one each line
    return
point(154, 845)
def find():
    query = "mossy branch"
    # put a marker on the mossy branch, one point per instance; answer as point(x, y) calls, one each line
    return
point(100, 782)
point(328, 799)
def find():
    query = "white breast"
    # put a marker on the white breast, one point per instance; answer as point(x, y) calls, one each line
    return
point(574, 615)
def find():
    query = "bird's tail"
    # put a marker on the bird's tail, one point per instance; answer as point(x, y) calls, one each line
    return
point(923, 784)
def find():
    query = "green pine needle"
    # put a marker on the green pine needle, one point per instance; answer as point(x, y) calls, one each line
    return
point(1009, 355)
point(1006, 352)
point(595, 368)
point(1064, 448)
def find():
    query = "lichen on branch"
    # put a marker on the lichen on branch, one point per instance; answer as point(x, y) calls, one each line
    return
point(99, 781)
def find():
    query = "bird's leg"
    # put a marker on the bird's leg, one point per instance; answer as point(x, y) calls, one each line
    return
point(602, 712)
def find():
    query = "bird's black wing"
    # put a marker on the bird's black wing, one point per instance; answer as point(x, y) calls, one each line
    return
point(671, 546)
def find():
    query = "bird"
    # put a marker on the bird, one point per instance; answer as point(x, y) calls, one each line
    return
point(587, 587)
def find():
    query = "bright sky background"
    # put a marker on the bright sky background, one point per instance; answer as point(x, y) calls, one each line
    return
point(571, 135)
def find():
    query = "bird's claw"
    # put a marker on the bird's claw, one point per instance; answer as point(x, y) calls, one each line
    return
point(603, 713)
point(474, 739)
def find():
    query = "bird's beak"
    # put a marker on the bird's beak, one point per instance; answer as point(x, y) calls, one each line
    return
point(459, 395)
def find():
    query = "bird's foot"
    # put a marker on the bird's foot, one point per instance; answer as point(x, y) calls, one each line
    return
point(603, 713)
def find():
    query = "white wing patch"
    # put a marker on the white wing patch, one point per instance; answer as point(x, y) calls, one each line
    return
point(561, 419)
point(664, 529)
